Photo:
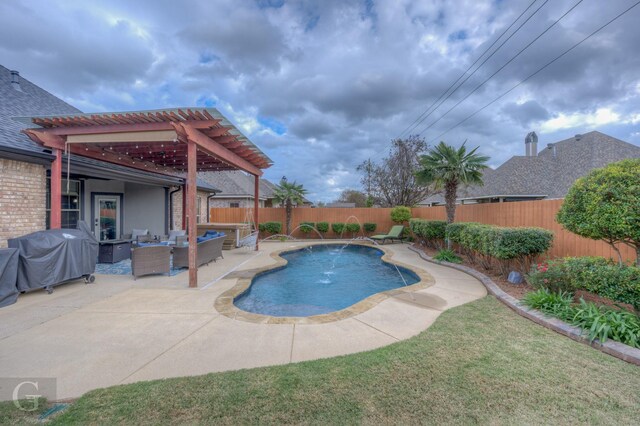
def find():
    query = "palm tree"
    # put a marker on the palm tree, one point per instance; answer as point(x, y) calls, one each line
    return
point(289, 194)
point(447, 167)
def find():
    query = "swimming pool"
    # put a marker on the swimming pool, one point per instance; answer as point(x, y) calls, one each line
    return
point(320, 279)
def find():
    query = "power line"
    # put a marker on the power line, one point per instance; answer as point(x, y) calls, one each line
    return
point(539, 70)
point(502, 67)
point(422, 116)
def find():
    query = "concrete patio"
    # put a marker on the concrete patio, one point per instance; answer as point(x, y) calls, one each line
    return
point(120, 331)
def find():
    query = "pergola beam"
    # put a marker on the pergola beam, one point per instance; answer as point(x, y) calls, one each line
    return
point(208, 145)
point(119, 128)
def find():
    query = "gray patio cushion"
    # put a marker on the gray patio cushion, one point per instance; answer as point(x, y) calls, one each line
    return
point(177, 233)
point(138, 232)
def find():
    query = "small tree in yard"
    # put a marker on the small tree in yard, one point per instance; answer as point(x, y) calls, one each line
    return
point(400, 214)
point(448, 168)
point(605, 205)
point(288, 194)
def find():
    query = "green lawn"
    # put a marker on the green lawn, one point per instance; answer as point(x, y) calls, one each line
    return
point(478, 363)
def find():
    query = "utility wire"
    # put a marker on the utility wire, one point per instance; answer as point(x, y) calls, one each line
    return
point(539, 69)
point(422, 116)
point(502, 67)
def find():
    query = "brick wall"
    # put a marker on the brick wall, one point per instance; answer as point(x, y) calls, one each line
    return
point(22, 199)
point(177, 209)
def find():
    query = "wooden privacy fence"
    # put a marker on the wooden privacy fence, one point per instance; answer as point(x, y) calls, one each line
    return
point(540, 214)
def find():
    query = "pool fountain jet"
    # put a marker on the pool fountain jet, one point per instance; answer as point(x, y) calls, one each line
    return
point(367, 239)
point(290, 237)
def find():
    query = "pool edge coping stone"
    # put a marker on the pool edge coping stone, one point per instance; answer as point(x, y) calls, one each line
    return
point(610, 347)
point(225, 306)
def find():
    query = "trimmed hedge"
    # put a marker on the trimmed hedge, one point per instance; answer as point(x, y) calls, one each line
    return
point(429, 232)
point(369, 227)
point(322, 227)
point(400, 214)
point(490, 244)
point(306, 227)
point(596, 275)
point(270, 227)
point(338, 227)
point(353, 227)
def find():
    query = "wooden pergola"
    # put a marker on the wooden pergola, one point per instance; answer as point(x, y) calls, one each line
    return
point(175, 142)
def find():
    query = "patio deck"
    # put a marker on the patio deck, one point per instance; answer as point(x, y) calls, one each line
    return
point(120, 331)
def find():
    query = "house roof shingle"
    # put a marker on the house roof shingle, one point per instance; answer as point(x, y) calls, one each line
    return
point(551, 173)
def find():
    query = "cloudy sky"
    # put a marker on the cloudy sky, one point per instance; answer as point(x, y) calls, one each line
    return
point(321, 86)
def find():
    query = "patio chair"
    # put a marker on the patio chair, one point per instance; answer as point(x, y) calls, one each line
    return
point(149, 260)
point(394, 234)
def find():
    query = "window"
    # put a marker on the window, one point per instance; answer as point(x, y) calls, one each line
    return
point(71, 203)
point(235, 205)
point(199, 210)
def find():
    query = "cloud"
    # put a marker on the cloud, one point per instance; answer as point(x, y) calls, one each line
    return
point(323, 85)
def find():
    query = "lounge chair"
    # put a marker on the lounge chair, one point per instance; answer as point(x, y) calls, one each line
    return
point(394, 234)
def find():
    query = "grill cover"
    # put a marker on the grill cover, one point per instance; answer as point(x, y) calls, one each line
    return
point(8, 276)
point(54, 256)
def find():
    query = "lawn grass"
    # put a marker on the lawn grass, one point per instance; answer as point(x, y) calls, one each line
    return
point(477, 363)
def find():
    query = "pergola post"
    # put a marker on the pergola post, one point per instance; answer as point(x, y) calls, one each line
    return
point(184, 206)
point(256, 203)
point(192, 150)
point(56, 190)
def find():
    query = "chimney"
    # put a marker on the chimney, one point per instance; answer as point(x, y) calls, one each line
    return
point(15, 80)
point(578, 137)
point(531, 144)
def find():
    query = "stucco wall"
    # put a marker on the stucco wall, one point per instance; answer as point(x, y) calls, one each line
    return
point(144, 208)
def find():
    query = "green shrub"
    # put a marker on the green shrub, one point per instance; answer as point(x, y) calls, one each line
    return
point(446, 255)
point(369, 227)
point(549, 302)
point(322, 227)
point(338, 228)
point(429, 232)
point(596, 275)
point(306, 227)
point(354, 228)
point(488, 244)
point(400, 214)
point(550, 275)
point(270, 227)
point(604, 205)
point(599, 322)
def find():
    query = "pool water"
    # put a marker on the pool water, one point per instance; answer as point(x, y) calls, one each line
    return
point(321, 279)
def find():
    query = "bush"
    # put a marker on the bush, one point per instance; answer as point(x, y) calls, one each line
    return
point(488, 243)
point(603, 205)
point(322, 227)
point(369, 227)
point(338, 228)
point(306, 227)
point(446, 255)
point(270, 227)
point(354, 228)
point(429, 232)
point(600, 322)
point(400, 214)
point(596, 275)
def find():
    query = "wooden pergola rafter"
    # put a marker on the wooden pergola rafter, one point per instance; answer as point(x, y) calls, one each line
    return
point(177, 142)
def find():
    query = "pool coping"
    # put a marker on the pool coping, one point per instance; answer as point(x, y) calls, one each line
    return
point(225, 306)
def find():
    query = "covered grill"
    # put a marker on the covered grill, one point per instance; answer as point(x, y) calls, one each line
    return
point(55, 256)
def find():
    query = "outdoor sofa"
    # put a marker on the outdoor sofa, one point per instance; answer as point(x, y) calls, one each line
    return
point(209, 249)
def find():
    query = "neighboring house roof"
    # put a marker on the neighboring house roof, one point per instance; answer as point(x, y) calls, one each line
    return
point(28, 100)
point(551, 173)
point(342, 205)
point(237, 184)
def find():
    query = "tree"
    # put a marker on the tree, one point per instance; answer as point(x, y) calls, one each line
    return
point(288, 194)
point(448, 168)
point(353, 196)
point(393, 182)
point(605, 205)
